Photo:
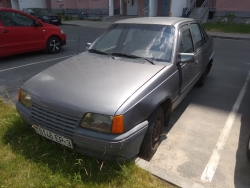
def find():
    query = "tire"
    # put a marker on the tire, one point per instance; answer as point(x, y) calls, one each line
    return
point(151, 139)
point(248, 147)
point(201, 82)
point(53, 45)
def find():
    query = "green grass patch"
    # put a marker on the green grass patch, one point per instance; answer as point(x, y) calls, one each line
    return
point(227, 27)
point(29, 160)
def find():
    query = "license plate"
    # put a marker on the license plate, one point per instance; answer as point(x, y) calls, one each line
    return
point(54, 20)
point(52, 136)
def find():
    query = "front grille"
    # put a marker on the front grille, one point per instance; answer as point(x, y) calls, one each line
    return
point(53, 121)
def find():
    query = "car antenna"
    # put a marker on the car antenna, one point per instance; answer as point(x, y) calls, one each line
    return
point(78, 44)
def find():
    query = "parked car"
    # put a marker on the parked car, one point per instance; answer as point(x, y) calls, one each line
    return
point(44, 15)
point(113, 100)
point(21, 33)
point(248, 147)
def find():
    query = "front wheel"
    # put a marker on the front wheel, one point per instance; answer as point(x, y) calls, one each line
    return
point(53, 45)
point(151, 139)
point(248, 147)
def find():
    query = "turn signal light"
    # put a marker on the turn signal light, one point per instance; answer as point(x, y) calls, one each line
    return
point(19, 95)
point(118, 125)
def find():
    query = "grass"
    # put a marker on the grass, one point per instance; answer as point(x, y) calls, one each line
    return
point(227, 27)
point(29, 160)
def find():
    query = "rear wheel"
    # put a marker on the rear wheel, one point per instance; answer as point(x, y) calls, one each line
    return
point(53, 45)
point(202, 79)
point(248, 147)
point(151, 139)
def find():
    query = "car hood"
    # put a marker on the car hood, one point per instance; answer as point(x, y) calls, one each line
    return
point(88, 83)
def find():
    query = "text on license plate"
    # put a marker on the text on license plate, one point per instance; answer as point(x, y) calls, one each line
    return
point(54, 20)
point(52, 136)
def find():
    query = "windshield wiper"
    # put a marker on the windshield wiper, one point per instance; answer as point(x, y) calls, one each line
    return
point(100, 52)
point(132, 56)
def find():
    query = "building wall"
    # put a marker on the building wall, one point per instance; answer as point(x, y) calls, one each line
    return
point(233, 5)
point(6, 3)
point(32, 4)
point(15, 4)
point(177, 7)
point(98, 3)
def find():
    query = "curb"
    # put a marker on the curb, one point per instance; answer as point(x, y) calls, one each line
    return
point(225, 37)
point(166, 175)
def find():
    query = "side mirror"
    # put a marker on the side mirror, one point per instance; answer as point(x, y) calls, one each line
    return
point(185, 58)
point(88, 45)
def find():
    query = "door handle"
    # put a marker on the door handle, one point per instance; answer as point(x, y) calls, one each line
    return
point(196, 62)
point(5, 31)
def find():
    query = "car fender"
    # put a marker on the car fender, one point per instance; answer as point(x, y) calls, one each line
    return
point(164, 85)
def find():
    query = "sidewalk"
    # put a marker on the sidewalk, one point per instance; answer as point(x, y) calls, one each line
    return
point(104, 25)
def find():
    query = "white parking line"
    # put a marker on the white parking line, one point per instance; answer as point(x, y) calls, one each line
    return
point(210, 169)
point(35, 63)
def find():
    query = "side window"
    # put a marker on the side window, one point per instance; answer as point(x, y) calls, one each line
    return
point(186, 45)
point(15, 19)
point(206, 38)
point(197, 36)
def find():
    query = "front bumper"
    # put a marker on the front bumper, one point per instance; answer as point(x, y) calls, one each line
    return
point(63, 43)
point(100, 145)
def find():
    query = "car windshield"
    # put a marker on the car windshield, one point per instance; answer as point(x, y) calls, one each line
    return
point(149, 41)
point(41, 11)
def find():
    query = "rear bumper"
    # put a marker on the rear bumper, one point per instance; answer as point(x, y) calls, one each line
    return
point(100, 145)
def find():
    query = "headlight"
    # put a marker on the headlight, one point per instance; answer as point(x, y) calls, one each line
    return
point(62, 31)
point(103, 123)
point(24, 98)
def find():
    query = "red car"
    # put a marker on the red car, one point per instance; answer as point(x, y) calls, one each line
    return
point(21, 33)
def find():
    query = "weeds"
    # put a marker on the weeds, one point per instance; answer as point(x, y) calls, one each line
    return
point(227, 27)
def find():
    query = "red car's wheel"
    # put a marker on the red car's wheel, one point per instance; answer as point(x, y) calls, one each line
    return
point(54, 45)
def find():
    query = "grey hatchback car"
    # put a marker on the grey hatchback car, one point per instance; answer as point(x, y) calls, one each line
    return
point(112, 100)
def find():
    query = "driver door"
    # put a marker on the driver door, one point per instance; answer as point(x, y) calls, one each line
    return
point(20, 33)
point(187, 70)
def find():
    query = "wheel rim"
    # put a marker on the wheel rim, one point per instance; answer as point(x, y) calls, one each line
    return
point(54, 45)
point(157, 129)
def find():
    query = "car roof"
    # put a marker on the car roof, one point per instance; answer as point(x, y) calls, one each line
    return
point(155, 20)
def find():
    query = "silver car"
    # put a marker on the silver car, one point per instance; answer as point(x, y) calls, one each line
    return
point(112, 100)
point(248, 147)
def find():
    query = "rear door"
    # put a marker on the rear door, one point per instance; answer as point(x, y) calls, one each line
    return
point(20, 33)
point(3, 51)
